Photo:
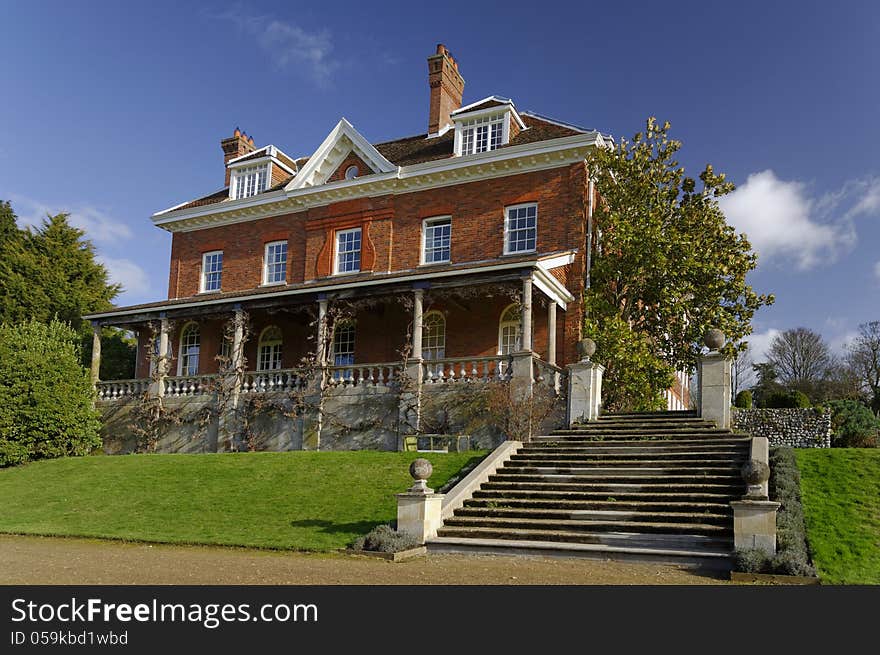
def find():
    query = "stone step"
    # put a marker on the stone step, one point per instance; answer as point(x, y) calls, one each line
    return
point(660, 449)
point(618, 495)
point(532, 545)
point(571, 441)
point(587, 527)
point(611, 487)
point(590, 515)
point(646, 433)
point(611, 426)
point(645, 437)
point(605, 504)
point(633, 476)
point(661, 414)
point(580, 461)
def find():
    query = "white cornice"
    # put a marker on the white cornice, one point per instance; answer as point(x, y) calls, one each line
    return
point(510, 160)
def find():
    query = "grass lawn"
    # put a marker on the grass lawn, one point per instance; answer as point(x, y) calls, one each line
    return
point(841, 495)
point(296, 500)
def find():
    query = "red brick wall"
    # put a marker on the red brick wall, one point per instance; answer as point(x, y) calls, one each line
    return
point(351, 160)
point(393, 232)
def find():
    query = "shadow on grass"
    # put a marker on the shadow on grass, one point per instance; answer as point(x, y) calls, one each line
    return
point(332, 527)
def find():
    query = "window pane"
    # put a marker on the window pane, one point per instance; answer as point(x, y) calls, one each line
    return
point(276, 262)
point(190, 341)
point(522, 228)
point(212, 271)
point(438, 235)
point(348, 251)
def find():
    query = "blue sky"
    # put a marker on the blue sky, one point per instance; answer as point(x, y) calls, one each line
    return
point(112, 111)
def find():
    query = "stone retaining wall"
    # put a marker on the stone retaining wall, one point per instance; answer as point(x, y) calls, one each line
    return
point(797, 428)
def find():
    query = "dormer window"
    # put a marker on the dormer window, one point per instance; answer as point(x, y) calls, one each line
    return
point(249, 181)
point(481, 134)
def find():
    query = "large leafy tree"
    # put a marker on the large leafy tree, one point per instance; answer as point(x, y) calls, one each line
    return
point(51, 272)
point(667, 268)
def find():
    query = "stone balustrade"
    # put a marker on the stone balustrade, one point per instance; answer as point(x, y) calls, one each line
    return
point(363, 375)
point(284, 380)
point(122, 389)
point(467, 369)
point(188, 385)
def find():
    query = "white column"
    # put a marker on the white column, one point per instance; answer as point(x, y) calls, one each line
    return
point(322, 332)
point(237, 363)
point(584, 391)
point(96, 353)
point(163, 358)
point(551, 332)
point(418, 312)
point(526, 321)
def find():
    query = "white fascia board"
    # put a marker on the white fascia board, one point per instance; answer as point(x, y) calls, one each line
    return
point(556, 261)
point(552, 288)
point(321, 288)
point(364, 148)
point(249, 154)
point(387, 183)
point(261, 161)
point(228, 205)
point(501, 99)
point(461, 115)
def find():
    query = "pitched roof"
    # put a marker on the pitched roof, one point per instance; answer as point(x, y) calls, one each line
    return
point(419, 148)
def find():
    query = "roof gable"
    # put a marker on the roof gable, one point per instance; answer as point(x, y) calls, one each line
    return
point(342, 141)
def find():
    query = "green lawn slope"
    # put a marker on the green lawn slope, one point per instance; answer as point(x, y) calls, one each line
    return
point(316, 501)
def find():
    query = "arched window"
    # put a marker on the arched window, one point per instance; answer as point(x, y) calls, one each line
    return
point(190, 341)
point(510, 331)
point(269, 349)
point(433, 336)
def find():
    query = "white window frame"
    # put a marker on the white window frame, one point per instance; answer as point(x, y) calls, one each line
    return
point(184, 356)
point(203, 278)
point(267, 263)
point(468, 126)
point(429, 223)
point(336, 253)
point(507, 230)
point(239, 188)
point(274, 347)
point(502, 324)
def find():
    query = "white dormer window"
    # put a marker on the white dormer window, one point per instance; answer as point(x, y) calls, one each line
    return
point(249, 181)
point(481, 134)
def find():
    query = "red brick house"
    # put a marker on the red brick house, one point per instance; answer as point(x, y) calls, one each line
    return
point(480, 225)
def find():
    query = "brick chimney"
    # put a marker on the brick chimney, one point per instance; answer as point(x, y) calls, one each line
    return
point(447, 88)
point(235, 146)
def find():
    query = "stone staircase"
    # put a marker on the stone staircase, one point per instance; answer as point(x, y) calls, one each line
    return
point(646, 486)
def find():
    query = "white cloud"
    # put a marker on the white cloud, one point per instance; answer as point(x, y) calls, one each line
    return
point(759, 344)
point(866, 194)
point(98, 225)
point(782, 220)
point(288, 45)
point(133, 278)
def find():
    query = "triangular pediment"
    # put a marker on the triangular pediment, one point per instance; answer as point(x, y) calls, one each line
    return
point(338, 145)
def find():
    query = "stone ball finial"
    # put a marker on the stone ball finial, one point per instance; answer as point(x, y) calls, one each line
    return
point(420, 470)
point(586, 348)
point(755, 474)
point(714, 339)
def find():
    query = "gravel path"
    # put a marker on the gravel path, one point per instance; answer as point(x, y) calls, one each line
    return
point(48, 560)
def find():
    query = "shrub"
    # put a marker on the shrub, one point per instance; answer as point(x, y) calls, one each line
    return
point(788, 400)
point(384, 539)
point(751, 560)
point(853, 425)
point(46, 397)
point(743, 399)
